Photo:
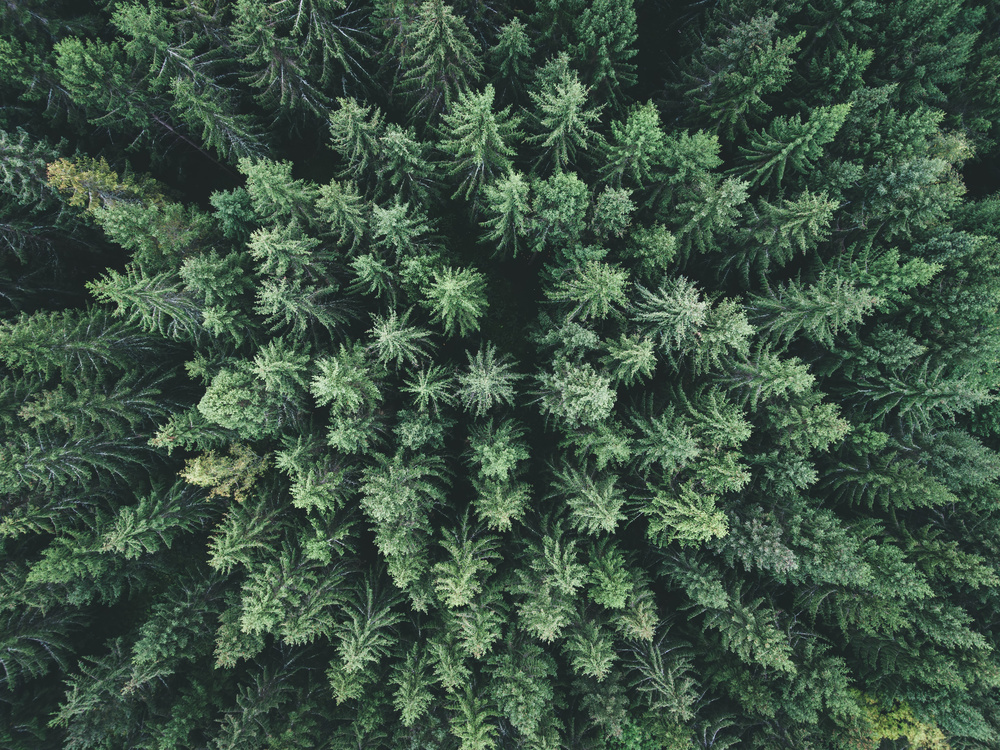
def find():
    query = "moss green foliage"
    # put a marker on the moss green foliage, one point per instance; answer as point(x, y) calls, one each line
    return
point(476, 375)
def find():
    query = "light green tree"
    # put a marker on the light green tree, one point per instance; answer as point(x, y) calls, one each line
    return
point(488, 381)
point(563, 122)
point(457, 300)
point(478, 140)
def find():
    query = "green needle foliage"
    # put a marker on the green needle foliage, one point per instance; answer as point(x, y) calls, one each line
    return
point(478, 139)
point(492, 376)
point(440, 60)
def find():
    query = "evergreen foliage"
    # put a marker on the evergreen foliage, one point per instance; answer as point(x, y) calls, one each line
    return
point(490, 376)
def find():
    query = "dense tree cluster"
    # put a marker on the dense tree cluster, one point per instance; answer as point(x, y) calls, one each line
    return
point(383, 374)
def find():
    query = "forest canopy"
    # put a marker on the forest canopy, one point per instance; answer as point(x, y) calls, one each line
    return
point(606, 375)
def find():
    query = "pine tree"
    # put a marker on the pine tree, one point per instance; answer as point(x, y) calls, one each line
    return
point(275, 195)
point(596, 288)
point(521, 676)
point(778, 231)
point(215, 279)
point(118, 408)
point(288, 251)
point(440, 60)
point(394, 340)
point(232, 135)
point(94, 704)
point(920, 397)
point(673, 313)
point(651, 251)
point(223, 476)
point(96, 77)
point(595, 502)
point(630, 358)
point(156, 521)
point(157, 304)
point(290, 597)
point(667, 441)
point(343, 208)
point(507, 206)
point(407, 167)
point(23, 167)
point(612, 212)
point(295, 306)
point(478, 139)
point(276, 64)
point(431, 388)
point(457, 300)
point(577, 395)
point(562, 119)
point(160, 235)
point(591, 650)
point(237, 400)
point(559, 206)
point(92, 184)
point(413, 697)
point(354, 134)
point(398, 495)
point(71, 341)
point(488, 381)
point(789, 142)
point(246, 532)
point(470, 722)
point(346, 382)
point(151, 43)
point(760, 375)
point(637, 149)
point(728, 80)
point(459, 577)
point(710, 214)
point(819, 312)
point(606, 31)
point(511, 54)
point(547, 584)
point(32, 641)
point(687, 517)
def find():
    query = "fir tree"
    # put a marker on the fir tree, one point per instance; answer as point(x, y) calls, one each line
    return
point(792, 143)
point(457, 300)
point(440, 61)
point(477, 139)
point(564, 121)
point(488, 381)
point(507, 206)
point(728, 79)
point(748, 498)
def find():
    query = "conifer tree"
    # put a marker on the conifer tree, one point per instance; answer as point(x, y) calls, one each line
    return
point(488, 381)
point(605, 34)
point(440, 60)
point(157, 304)
point(511, 54)
point(456, 300)
point(507, 206)
point(564, 121)
point(792, 143)
point(637, 148)
point(477, 139)
point(354, 133)
point(728, 79)
point(343, 208)
point(819, 311)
